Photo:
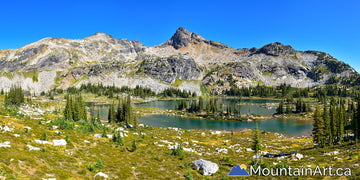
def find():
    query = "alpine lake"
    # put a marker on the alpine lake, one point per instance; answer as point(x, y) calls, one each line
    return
point(263, 107)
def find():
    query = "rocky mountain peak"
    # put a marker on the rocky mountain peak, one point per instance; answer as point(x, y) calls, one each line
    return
point(100, 36)
point(275, 49)
point(183, 37)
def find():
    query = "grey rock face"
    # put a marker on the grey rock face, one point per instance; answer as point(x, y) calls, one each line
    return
point(276, 49)
point(207, 167)
point(168, 69)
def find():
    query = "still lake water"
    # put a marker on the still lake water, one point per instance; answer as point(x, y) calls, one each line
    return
point(245, 108)
point(289, 127)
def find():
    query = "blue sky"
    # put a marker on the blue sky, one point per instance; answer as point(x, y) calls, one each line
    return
point(329, 26)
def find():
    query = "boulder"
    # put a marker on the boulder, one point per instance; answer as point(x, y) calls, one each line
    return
point(299, 156)
point(207, 167)
point(101, 175)
point(60, 142)
point(5, 144)
point(42, 142)
point(32, 148)
point(6, 129)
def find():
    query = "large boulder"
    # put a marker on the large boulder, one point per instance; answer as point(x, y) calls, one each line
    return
point(207, 167)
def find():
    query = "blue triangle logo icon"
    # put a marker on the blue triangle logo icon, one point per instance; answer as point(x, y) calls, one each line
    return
point(239, 171)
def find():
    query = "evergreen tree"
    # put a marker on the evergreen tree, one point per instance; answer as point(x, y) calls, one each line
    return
point(236, 112)
point(326, 117)
point(135, 121)
point(341, 123)
point(112, 114)
point(257, 142)
point(318, 130)
point(98, 119)
point(280, 109)
point(201, 103)
point(228, 110)
point(356, 120)
point(43, 136)
point(288, 108)
point(333, 120)
point(14, 97)
point(134, 146)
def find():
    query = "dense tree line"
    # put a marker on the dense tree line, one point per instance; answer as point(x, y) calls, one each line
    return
point(172, 92)
point(331, 124)
point(75, 109)
point(123, 112)
point(14, 97)
point(259, 91)
point(211, 108)
point(287, 107)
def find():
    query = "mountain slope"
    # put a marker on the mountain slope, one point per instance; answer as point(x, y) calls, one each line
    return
point(61, 63)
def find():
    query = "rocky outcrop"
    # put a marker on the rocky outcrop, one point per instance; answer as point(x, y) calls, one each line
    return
point(276, 49)
point(168, 69)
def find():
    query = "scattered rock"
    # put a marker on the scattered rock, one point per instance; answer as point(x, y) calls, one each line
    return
point(215, 132)
point(85, 141)
point(5, 144)
point(207, 167)
point(42, 142)
point(299, 156)
point(32, 148)
point(249, 149)
point(225, 151)
point(101, 175)
point(356, 165)
point(7, 129)
point(60, 142)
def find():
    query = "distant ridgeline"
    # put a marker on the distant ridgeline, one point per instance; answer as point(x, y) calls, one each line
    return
point(186, 61)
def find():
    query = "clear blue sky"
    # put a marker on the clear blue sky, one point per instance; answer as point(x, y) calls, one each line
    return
point(329, 26)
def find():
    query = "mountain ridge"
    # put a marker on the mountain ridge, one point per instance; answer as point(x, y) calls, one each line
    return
point(186, 56)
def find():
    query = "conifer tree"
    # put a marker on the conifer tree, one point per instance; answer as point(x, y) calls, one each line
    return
point(333, 120)
point(326, 117)
point(135, 121)
point(43, 136)
point(98, 119)
point(228, 110)
point(318, 130)
point(111, 115)
point(288, 108)
point(341, 123)
point(257, 142)
point(280, 109)
point(201, 103)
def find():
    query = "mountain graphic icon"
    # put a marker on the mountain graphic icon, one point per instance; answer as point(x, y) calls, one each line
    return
point(238, 171)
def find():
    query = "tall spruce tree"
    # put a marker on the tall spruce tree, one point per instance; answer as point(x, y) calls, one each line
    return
point(318, 130)
point(257, 142)
point(326, 117)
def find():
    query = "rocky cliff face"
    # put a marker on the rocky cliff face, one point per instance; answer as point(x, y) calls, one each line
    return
point(57, 62)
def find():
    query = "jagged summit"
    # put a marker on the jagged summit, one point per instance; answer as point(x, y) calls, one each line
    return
point(182, 38)
point(275, 49)
point(100, 36)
